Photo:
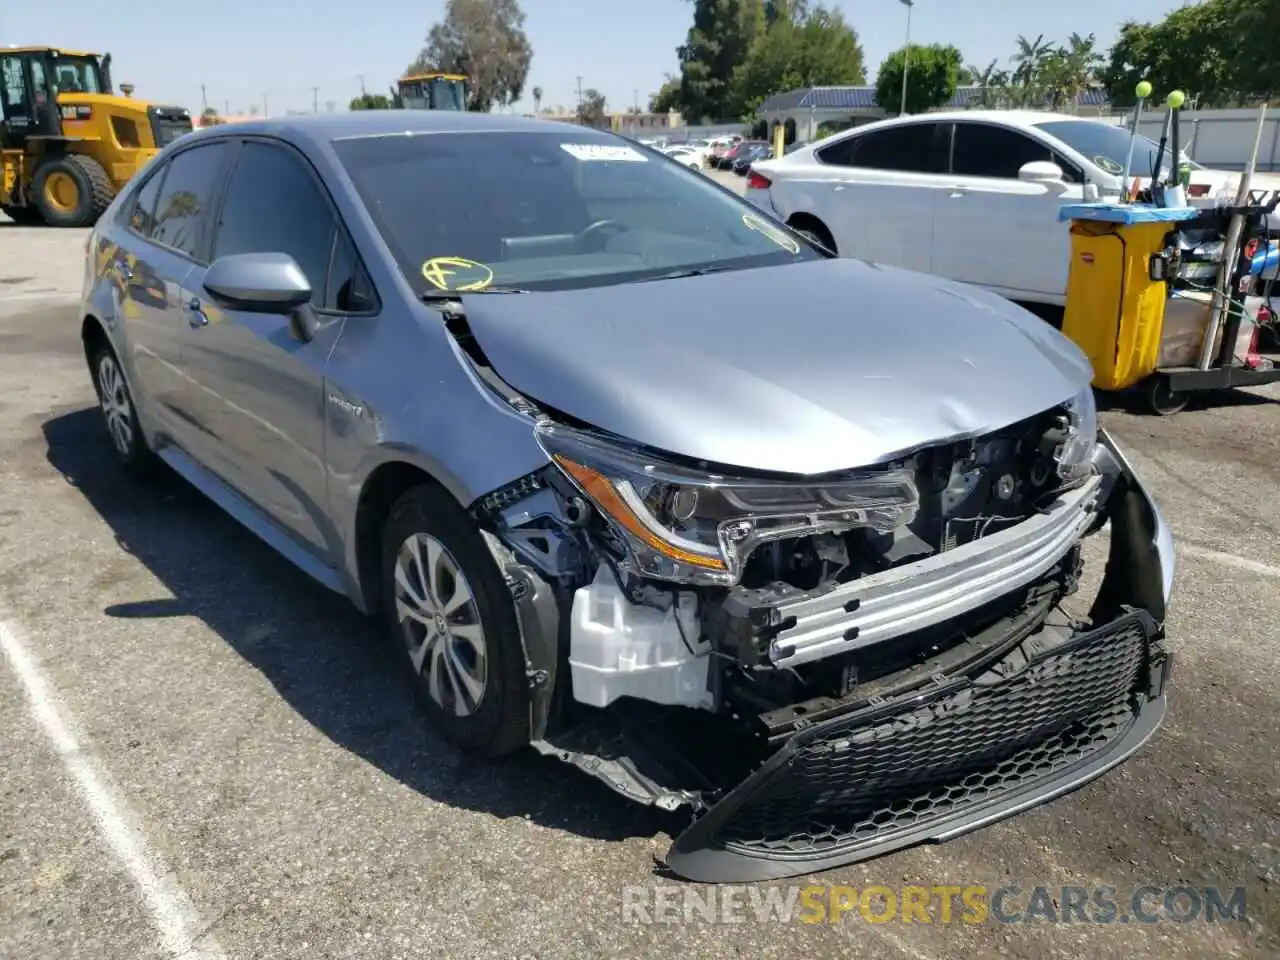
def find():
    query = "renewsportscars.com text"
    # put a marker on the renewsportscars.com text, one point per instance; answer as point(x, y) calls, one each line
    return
point(941, 903)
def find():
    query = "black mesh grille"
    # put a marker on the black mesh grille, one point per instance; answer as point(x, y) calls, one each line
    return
point(1018, 723)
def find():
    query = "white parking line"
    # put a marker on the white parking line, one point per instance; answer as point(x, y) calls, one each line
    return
point(171, 909)
point(1229, 560)
point(1214, 556)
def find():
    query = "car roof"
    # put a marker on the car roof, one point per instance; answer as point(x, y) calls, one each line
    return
point(374, 123)
point(1009, 118)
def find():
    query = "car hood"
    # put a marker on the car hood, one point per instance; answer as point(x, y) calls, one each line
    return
point(806, 368)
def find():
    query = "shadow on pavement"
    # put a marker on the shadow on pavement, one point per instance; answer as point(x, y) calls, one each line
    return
point(326, 660)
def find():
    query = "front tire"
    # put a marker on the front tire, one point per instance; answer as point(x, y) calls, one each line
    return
point(71, 190)
point(120, 414)
point(448, 610)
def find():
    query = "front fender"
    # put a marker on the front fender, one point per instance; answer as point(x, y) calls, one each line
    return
point(1141, 561)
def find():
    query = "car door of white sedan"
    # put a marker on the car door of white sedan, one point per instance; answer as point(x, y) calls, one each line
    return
point(997, 231)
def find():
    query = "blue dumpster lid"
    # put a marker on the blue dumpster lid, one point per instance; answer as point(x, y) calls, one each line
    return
point(1126, 213)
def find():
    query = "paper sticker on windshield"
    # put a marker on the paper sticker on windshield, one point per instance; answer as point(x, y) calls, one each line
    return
point(457, 274)
point(603, 151)
point(776, 234)
point(1109, 165)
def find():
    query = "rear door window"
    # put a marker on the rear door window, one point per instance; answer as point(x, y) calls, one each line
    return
point(908, 148)
point(142, 209)
point(181, 211)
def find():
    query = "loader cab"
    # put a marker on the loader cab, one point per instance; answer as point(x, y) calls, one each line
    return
point(29, 96)
point(432, 91)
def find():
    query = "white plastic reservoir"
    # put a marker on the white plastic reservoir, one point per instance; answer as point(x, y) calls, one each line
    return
point(621, 649)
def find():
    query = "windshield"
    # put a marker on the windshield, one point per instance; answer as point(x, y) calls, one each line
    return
point(448, 94)
point(550, 211)
point(1107, 146)
point(77, 75)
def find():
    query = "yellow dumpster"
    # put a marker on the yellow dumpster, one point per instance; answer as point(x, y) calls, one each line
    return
point(1115, 310)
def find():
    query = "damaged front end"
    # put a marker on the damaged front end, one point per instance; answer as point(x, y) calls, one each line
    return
point(823, 670)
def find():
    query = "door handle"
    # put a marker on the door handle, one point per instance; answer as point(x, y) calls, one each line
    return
point(957, 192)
point(125, 271)
point(195, 314)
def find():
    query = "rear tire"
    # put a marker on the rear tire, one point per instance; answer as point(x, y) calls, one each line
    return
point(447, 609)
point(120, 414)
point(23, 216)
point(71, 190)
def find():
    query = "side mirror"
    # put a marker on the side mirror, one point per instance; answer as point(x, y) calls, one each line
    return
point(1040, 171)
point(258, 283)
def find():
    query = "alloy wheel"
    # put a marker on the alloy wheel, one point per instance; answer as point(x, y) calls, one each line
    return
point(116, 406)
point(440, 624)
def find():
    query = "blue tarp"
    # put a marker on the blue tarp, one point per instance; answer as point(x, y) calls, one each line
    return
point(1126, 213)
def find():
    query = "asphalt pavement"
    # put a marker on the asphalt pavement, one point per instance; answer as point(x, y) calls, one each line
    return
point(204, 754)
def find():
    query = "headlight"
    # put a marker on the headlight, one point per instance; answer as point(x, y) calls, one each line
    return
point(693, 527)
point(1074, 455)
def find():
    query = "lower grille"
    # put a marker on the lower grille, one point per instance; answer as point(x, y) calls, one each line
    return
point(857, 782)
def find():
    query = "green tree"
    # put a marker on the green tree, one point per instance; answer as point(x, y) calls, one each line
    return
point(804, 46)
point(591, 111)
point(1220, 52)
point(371, 101)
point(722, 34)
point(485, 40)
point(537, 101)
point(932, 73)
point(668, 96)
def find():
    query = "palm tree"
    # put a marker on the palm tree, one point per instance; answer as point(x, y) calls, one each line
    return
point(1030, 59)
point(537, 101)
point(990, 81)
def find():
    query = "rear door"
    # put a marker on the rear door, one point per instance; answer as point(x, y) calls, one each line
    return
point(880, 190)
point(998, 231)
point(258, 384)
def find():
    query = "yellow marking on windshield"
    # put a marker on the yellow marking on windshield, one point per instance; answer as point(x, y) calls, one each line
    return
point(752, 222)
point(457, 274)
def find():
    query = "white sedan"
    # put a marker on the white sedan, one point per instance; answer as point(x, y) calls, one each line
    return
point(968, 195)
point(690, 156)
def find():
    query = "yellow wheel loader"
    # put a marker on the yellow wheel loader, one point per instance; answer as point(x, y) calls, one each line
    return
point(68, 143)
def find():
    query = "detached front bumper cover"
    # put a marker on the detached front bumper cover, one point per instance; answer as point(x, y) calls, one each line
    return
point(1053, 713)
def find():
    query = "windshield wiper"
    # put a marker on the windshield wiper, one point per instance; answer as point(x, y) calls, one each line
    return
point(441, 296)
point(681, 274)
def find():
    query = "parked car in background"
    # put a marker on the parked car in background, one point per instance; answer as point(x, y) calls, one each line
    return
point(459, 368)
point(726, 160)
point(967, 195)
point(689, 156)
point(755, 150)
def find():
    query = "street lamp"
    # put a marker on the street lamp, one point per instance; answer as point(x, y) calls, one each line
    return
point(906, 55)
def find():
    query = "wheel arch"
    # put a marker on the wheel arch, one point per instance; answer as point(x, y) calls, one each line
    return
point(381, 487)
point(802, 220)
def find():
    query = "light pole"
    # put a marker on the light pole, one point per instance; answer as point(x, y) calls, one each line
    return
point(906, 55)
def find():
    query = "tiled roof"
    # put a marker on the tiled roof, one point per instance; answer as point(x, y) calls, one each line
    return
point(864, 98)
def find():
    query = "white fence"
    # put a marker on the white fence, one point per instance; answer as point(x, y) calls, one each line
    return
point(1217, 138)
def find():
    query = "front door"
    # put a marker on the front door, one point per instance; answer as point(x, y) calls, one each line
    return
point(260, 386)
point(997, 231)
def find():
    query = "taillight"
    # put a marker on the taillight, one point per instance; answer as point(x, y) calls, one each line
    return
point(1198, 190)
point(756, 181)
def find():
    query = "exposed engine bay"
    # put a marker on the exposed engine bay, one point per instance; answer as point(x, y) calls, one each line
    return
point(824, 668)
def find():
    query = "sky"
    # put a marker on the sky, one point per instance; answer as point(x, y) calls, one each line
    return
point(245, 52)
